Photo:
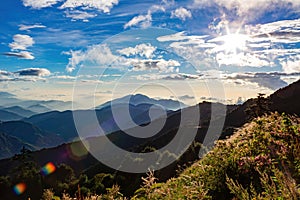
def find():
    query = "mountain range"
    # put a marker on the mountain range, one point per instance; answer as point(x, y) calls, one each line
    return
point(75, 154)
point(53, 128)
point(54, 122)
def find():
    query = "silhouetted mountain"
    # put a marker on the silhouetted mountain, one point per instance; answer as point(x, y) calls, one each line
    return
point(19, 111)
point(36, 106)
point(287, 99)
point(39, 108)
point(28, 134)
point(236, 117)
point(62, 123)
point(9, 116)
point(284, 100)
point(137, 99)
point(10, 145)
point(8, 98)
point(64, 154)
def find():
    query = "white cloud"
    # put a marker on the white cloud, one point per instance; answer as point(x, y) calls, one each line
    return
point(102, 55)
point(79, 15)
point(285, 31)
point(174, 37)
point(5, 73)
point(21, 42)
point(145, 50)
point(23, 55)
point(248, 9)
point(291, 64)
point(29, 74)
point(38, 4)
point(270, 80)
point(171, 77)
point(242, 59)
point(145, 21)
point(24, 79)
point(161, 65)
point(261, 45)
point(278, 26)
point(101, 5)
point(99, 54)
point(186, 97)
point(64, 77)
point(23, 27)
point(33, 72)
point(181, 13)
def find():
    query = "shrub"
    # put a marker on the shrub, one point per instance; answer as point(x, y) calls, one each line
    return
point(260, 161)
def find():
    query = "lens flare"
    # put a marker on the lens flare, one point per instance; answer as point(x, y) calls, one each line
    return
point(77, 151)
point(49, 168)
point(20, 188)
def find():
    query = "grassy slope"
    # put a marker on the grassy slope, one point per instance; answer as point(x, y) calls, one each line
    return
point(260, 161)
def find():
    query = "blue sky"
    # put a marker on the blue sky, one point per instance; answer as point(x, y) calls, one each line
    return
point(159, 48)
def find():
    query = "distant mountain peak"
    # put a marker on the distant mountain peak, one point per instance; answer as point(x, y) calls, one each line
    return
point(6, 94)
point(136, 99)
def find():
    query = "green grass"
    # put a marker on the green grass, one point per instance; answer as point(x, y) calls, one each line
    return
point(260, 161)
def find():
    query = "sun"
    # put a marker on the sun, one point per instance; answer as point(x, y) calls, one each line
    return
point(232, 43)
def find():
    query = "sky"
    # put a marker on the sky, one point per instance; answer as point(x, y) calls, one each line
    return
point(188, 50)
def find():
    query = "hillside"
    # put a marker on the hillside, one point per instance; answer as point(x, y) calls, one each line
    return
point(10, 145)
point(9, 116)
point(27, 135)
point(20, 111)
point(260, 161)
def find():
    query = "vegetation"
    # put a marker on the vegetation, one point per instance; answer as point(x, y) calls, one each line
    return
point(261, 161)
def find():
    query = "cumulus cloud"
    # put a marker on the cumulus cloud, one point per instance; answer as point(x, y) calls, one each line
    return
point(278, 26)
point(144, 50)
point(181, 13)
point(38, 4)
point(16, 79)
point(64, 77)
point(33, 72)
point(248, 9)
point(23, 27)
point(21, 42)
point(79, 15)
point(144, 21)
point(5, 73)
point(181, 76)
point(242, 60)
point(19, 47)
point(291, 64)
point(271, 80)
point(161, 65)
point(171, 77)
point(258, 45)
point(186, 97)
point(103, 56)
point(28, 74)
point(99, 54)
point(101, 5)
point(23, 54)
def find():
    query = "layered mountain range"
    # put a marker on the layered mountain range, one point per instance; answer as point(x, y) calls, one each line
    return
point(24, 126)
point(60, 123)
